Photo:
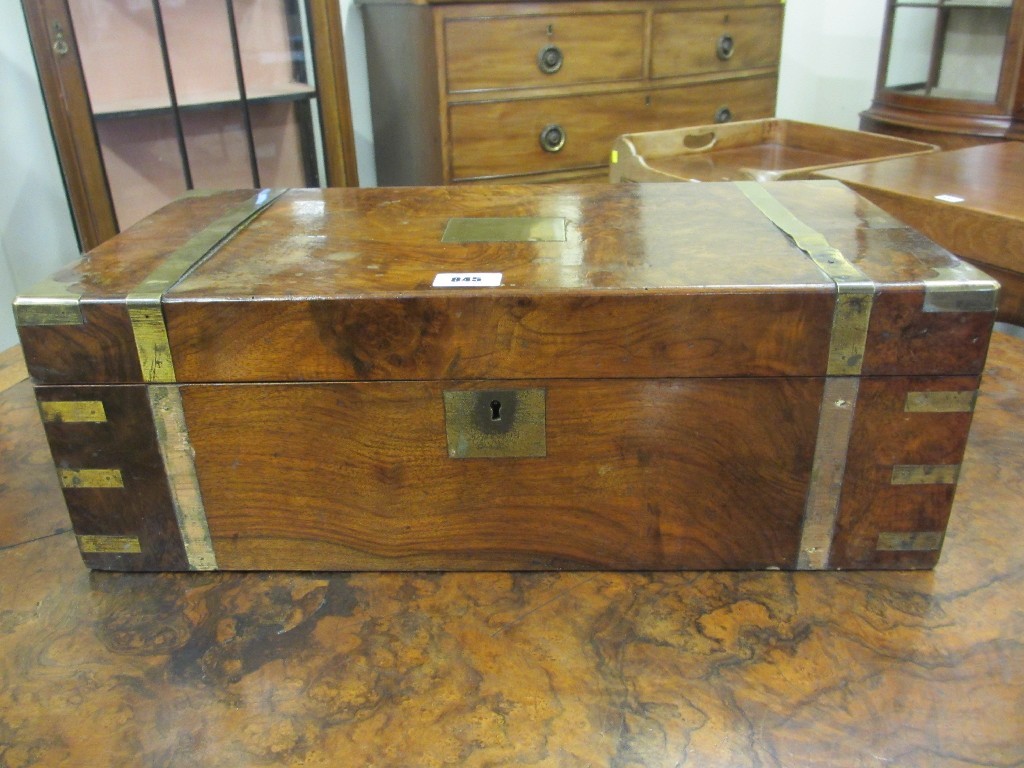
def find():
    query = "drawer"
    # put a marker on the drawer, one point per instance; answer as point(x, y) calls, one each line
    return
point(503, 138)
point(542, 50)
point(697, 42)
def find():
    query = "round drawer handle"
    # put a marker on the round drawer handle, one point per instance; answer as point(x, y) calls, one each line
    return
point(550, 59)
point(723, 115)
point(552, 138)
point(726, 47)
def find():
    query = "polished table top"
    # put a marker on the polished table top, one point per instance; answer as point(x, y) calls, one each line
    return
point(540, 669)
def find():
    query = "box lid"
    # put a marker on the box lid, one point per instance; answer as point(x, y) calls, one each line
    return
point(497, 282)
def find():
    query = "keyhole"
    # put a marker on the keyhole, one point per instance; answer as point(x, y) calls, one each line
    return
point(495, 410)
point(551, 30)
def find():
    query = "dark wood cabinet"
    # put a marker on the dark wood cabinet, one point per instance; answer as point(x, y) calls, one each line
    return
point(950, 72)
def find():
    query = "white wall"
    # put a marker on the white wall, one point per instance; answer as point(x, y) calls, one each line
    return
point(829, 58)
point(359, 92)
point(36, 232)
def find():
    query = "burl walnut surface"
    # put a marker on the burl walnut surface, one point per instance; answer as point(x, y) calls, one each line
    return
point(541, 669)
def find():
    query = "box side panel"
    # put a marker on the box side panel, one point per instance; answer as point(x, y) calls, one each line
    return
point(108, 460)
point(100, 349)
point(908, 440)
point(545, 335)
point(932, 313)
point(905, 338)
point(635, 474)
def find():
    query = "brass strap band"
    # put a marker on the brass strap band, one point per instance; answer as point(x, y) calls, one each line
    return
point(855, 294)
point(835, 424)
point(855, 291)
point(144, 303)
point(176, 451)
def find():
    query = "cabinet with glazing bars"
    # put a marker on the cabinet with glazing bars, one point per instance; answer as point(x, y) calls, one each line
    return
point(151, 98)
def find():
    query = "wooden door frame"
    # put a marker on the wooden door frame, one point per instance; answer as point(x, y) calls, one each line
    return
point(74, 134)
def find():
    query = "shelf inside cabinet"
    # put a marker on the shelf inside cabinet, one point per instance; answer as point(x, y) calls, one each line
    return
point(137, 107)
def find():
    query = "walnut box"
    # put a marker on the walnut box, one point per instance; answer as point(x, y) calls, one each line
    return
point(665, 376)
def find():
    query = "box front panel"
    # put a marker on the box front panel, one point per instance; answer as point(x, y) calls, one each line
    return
point(635, 474)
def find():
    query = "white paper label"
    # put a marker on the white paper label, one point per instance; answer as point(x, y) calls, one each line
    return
point(467, 279)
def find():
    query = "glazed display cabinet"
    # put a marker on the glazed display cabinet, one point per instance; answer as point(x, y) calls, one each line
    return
point(950, 72)
point(149, 99)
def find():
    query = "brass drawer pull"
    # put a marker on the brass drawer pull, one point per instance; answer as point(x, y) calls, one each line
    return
point(726, 47)
point(723, 115)
point(552, 138)
point(550, 59)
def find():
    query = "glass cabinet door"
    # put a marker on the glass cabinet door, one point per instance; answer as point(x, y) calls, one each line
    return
point(951, 72)
point(948, 48)
point(197, 94)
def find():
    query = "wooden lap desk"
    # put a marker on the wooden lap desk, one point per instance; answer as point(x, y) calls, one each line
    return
point(971, 201)
point(552, 669)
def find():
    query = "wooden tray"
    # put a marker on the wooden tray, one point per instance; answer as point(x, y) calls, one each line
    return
point(762, 150)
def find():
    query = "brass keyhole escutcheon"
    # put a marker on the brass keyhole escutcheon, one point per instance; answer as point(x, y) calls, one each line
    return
point(496, 423)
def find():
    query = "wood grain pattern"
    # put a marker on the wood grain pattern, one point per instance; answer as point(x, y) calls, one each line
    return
point(476, 101)
point(126, 442)
point(759, 150)
point(494, 53)
point(885, 435)
point(983, 219)
point(638, 474)
point(12, 368)
point(901, 261)
point(644, 285)
point(920, 670)
point(502, 138)
point(102, 349)
point(686, 42)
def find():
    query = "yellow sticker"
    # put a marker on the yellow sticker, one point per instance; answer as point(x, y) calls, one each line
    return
point(615, 156)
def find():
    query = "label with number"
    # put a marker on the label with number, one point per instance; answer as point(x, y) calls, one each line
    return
point(467, 279)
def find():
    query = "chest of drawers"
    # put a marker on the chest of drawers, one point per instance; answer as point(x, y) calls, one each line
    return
point(538, 91)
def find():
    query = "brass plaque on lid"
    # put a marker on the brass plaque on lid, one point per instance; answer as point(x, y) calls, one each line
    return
point(505, 229)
